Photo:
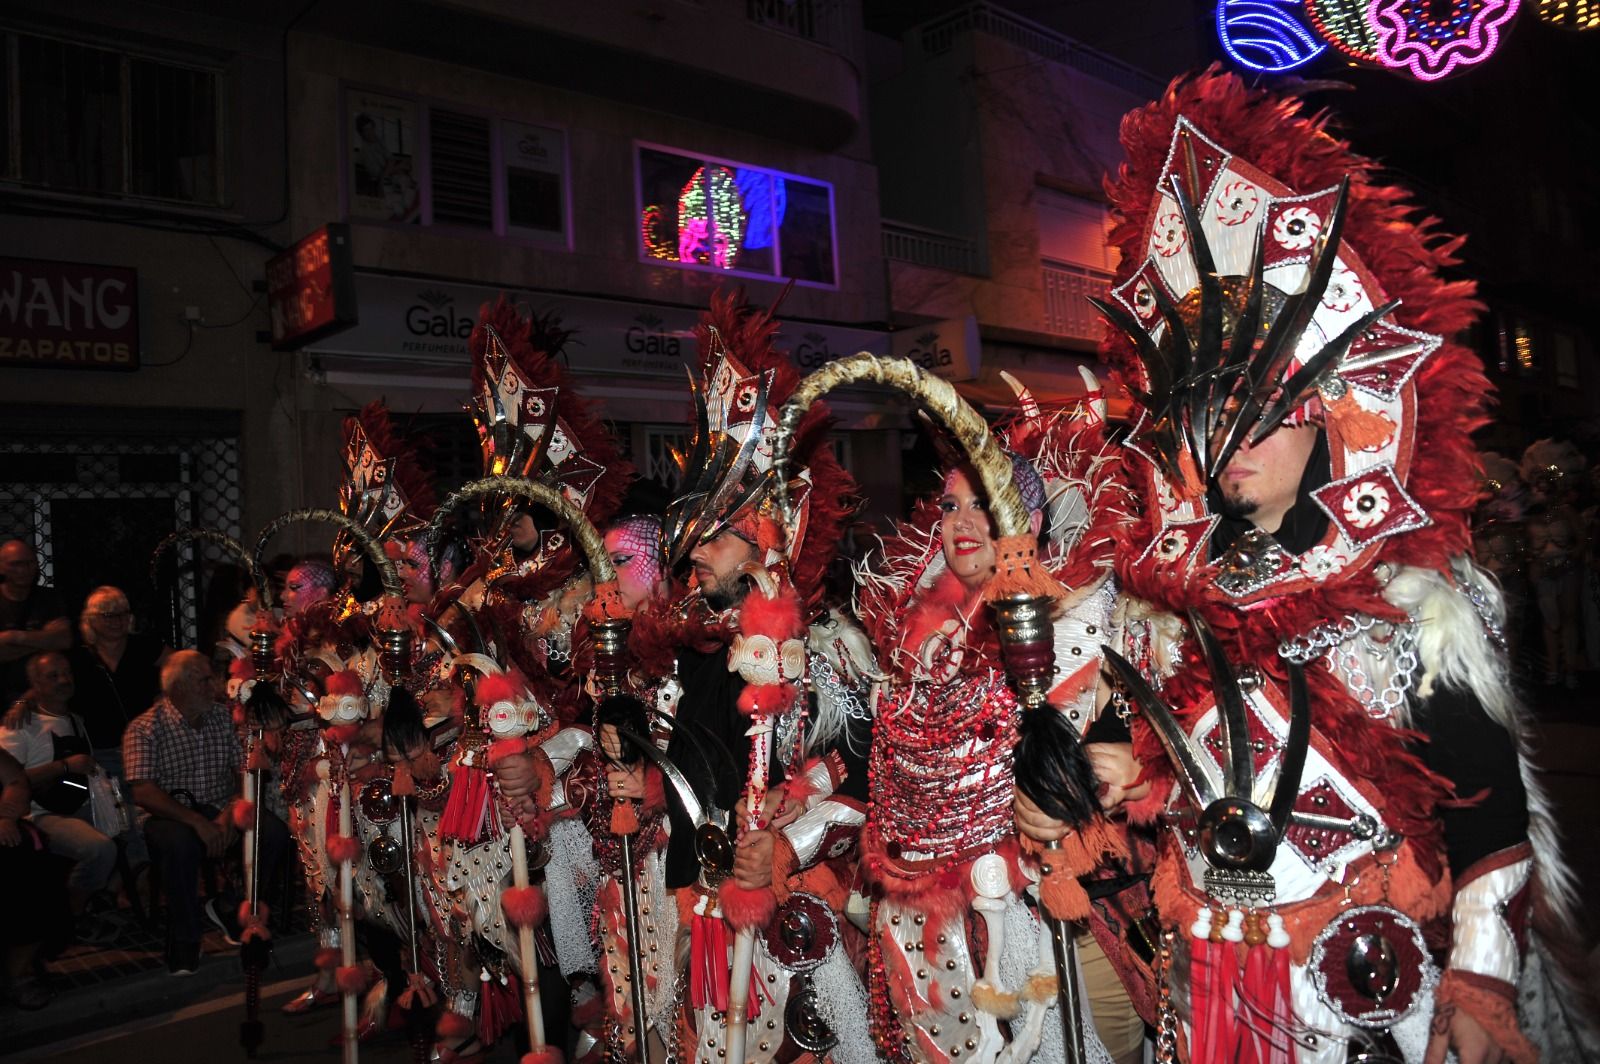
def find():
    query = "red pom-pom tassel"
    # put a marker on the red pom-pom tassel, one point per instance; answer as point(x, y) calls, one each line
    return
point(326, 959)
point(624, 817)
point(244, 815)
point(543, 1055)
point(468, 814)
point(254, 924)
point(342, 848)
point(524, 906)
point(453, 1025)
point(743, 908)
point(351, 978)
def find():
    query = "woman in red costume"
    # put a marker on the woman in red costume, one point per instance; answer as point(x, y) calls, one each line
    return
point(959, 970)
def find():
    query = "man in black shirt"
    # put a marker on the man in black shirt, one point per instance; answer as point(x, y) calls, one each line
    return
point(32, 617)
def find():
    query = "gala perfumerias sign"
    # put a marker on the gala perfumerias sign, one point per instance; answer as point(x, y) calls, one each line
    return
point(426, 322)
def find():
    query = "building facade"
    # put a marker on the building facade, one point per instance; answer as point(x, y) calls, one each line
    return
point(613, 163)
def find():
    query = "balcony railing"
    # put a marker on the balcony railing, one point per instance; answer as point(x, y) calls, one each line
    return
point(1067, 311)
point(814, 20)
point(939, 34)
point(929, 247)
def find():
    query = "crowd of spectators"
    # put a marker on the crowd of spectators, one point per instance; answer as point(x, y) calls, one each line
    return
point(1538, 530)
point(115, 753)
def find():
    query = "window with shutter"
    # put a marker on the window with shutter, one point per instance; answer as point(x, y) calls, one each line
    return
point(462, 170)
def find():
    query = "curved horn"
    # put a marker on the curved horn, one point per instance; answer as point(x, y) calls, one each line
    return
point(212, 536)
point(368, 545)
point(939, 397)
point(1025, 400)
point(590, 541)
point(762, 578)
point(482, 662)
point(1093, 394)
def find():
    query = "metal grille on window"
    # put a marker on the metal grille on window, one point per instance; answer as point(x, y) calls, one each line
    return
point(659, 461)
point(94, 509)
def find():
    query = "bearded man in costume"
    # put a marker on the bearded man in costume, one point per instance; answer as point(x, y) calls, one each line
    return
point(784, 762)
point(1324, 711)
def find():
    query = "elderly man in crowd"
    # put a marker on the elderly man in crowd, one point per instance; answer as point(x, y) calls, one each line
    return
point(32, 617)
point(51, 743)
point(182, 758)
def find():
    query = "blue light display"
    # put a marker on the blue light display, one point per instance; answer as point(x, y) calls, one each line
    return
point(1266, 35)
point(766, 198)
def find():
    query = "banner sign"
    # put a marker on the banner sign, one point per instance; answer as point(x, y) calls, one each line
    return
point(68, 315)
point(429, 322)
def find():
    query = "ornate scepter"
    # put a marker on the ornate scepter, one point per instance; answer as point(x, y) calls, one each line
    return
point(344, 847)
point(523, 905)
point(255, 948)
point(1051, 768)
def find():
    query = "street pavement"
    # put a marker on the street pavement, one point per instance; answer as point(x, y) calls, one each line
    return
point(206, 1031)
point(150, 1017)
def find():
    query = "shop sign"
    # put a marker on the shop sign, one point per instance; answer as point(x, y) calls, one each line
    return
point(68, 315)
point(429, 322)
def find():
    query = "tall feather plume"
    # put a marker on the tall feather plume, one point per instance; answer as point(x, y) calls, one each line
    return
point(1400, 246)
point(749, 334)
point(534, 344)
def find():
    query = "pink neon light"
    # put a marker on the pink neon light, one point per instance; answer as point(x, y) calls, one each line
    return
point(1428, 62)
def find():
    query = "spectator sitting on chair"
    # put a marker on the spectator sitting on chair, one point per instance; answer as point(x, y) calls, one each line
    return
point(182, 758)
point(53, 746)
point(31, 879)
point(32, 617)
point(116, 673)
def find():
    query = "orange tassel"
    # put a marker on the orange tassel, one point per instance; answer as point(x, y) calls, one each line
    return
point(1359, 429)
point(403, 785)
point(606, 605)
point(1018, 570)
point(624, 819)
point(1063, 895)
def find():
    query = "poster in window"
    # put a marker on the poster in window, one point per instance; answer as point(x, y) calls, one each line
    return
point(384, 139)
point(535, 160)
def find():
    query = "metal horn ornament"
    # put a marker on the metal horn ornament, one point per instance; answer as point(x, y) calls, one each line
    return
point(608, 618)
point(1021, 592)
point(387, 573)
point(218, 539)
point(395, 638)
point(1227, 382)
point(1238, 838)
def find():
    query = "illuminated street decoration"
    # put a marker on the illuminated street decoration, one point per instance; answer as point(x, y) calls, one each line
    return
point(1343, 24)
point(766, 198)
point(1412, 39)
point(711, 219)
point(1266, 35)
point(653, 231)
point(1570, 14)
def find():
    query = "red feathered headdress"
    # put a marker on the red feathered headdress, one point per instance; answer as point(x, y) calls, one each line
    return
point(744, 382)
point(531, 421)
point(386, 487)
point(1243, 186)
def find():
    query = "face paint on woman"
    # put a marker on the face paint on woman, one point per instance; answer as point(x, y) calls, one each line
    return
point(634, 545)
